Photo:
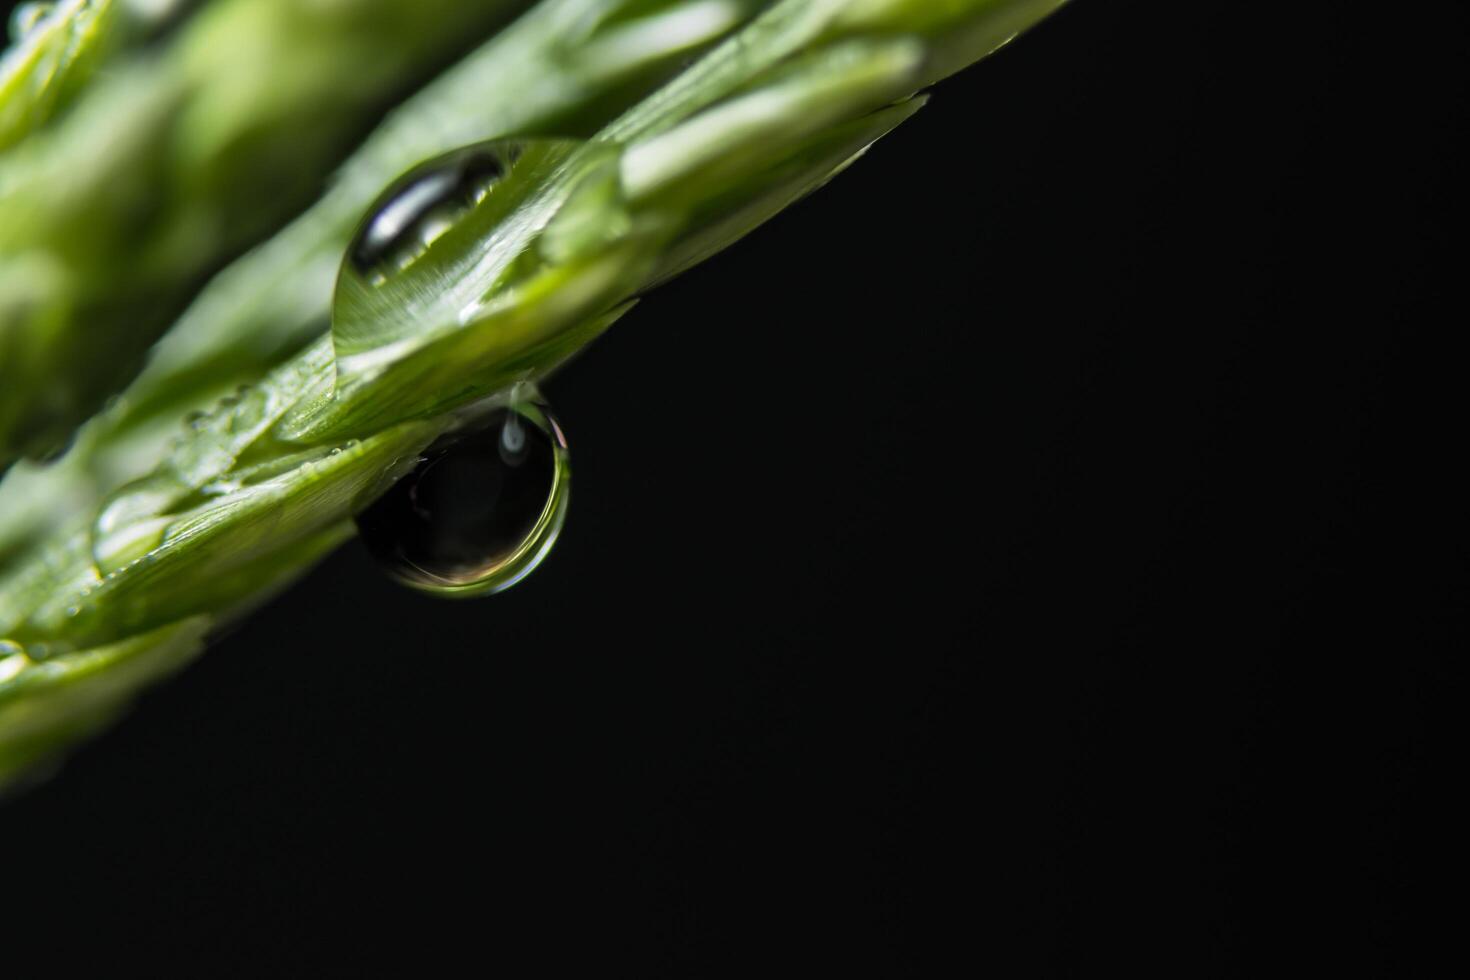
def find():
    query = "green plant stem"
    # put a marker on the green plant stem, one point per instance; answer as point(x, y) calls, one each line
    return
point(116, 214)
point(250, 495)
point(45, 69)
point(591, 59)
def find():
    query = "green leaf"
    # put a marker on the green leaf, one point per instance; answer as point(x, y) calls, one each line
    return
point(47, 65)
point(590, 60)
point(44, 706)
point(250, 494)
point(117, 213)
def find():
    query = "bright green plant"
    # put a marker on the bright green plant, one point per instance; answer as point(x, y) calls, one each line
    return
point(194, 149)
point(343, 390)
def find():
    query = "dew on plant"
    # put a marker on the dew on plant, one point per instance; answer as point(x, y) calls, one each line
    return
point(25, 17)
point(481, 509)
point(423, 205)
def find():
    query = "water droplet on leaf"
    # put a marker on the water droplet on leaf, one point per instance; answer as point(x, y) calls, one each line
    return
point(424, 204)
point(13, 659)
point(25, 17)
point(480, 510)
point(131, 522)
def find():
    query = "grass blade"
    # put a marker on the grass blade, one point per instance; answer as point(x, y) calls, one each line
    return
point(115, 215)
point(50, 62)
point(250, 495)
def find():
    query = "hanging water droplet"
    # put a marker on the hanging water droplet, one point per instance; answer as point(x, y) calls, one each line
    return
point(480, 511)
point(425, 203)
point(25, 17)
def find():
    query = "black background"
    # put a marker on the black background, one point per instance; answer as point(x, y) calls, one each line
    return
point(1031, 555)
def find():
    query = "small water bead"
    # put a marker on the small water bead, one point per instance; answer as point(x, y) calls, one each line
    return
point(480, 511)
point(13, 659)
point(25, 17)
point(425, 204)
point(133, 521)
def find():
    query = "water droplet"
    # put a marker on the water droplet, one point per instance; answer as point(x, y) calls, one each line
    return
point(424, 204)
point(131, 523)
point(480, 511)
point(13, 659)
point(25, 17)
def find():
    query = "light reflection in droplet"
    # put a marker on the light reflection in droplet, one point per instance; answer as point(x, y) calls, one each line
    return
point(480, 511)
